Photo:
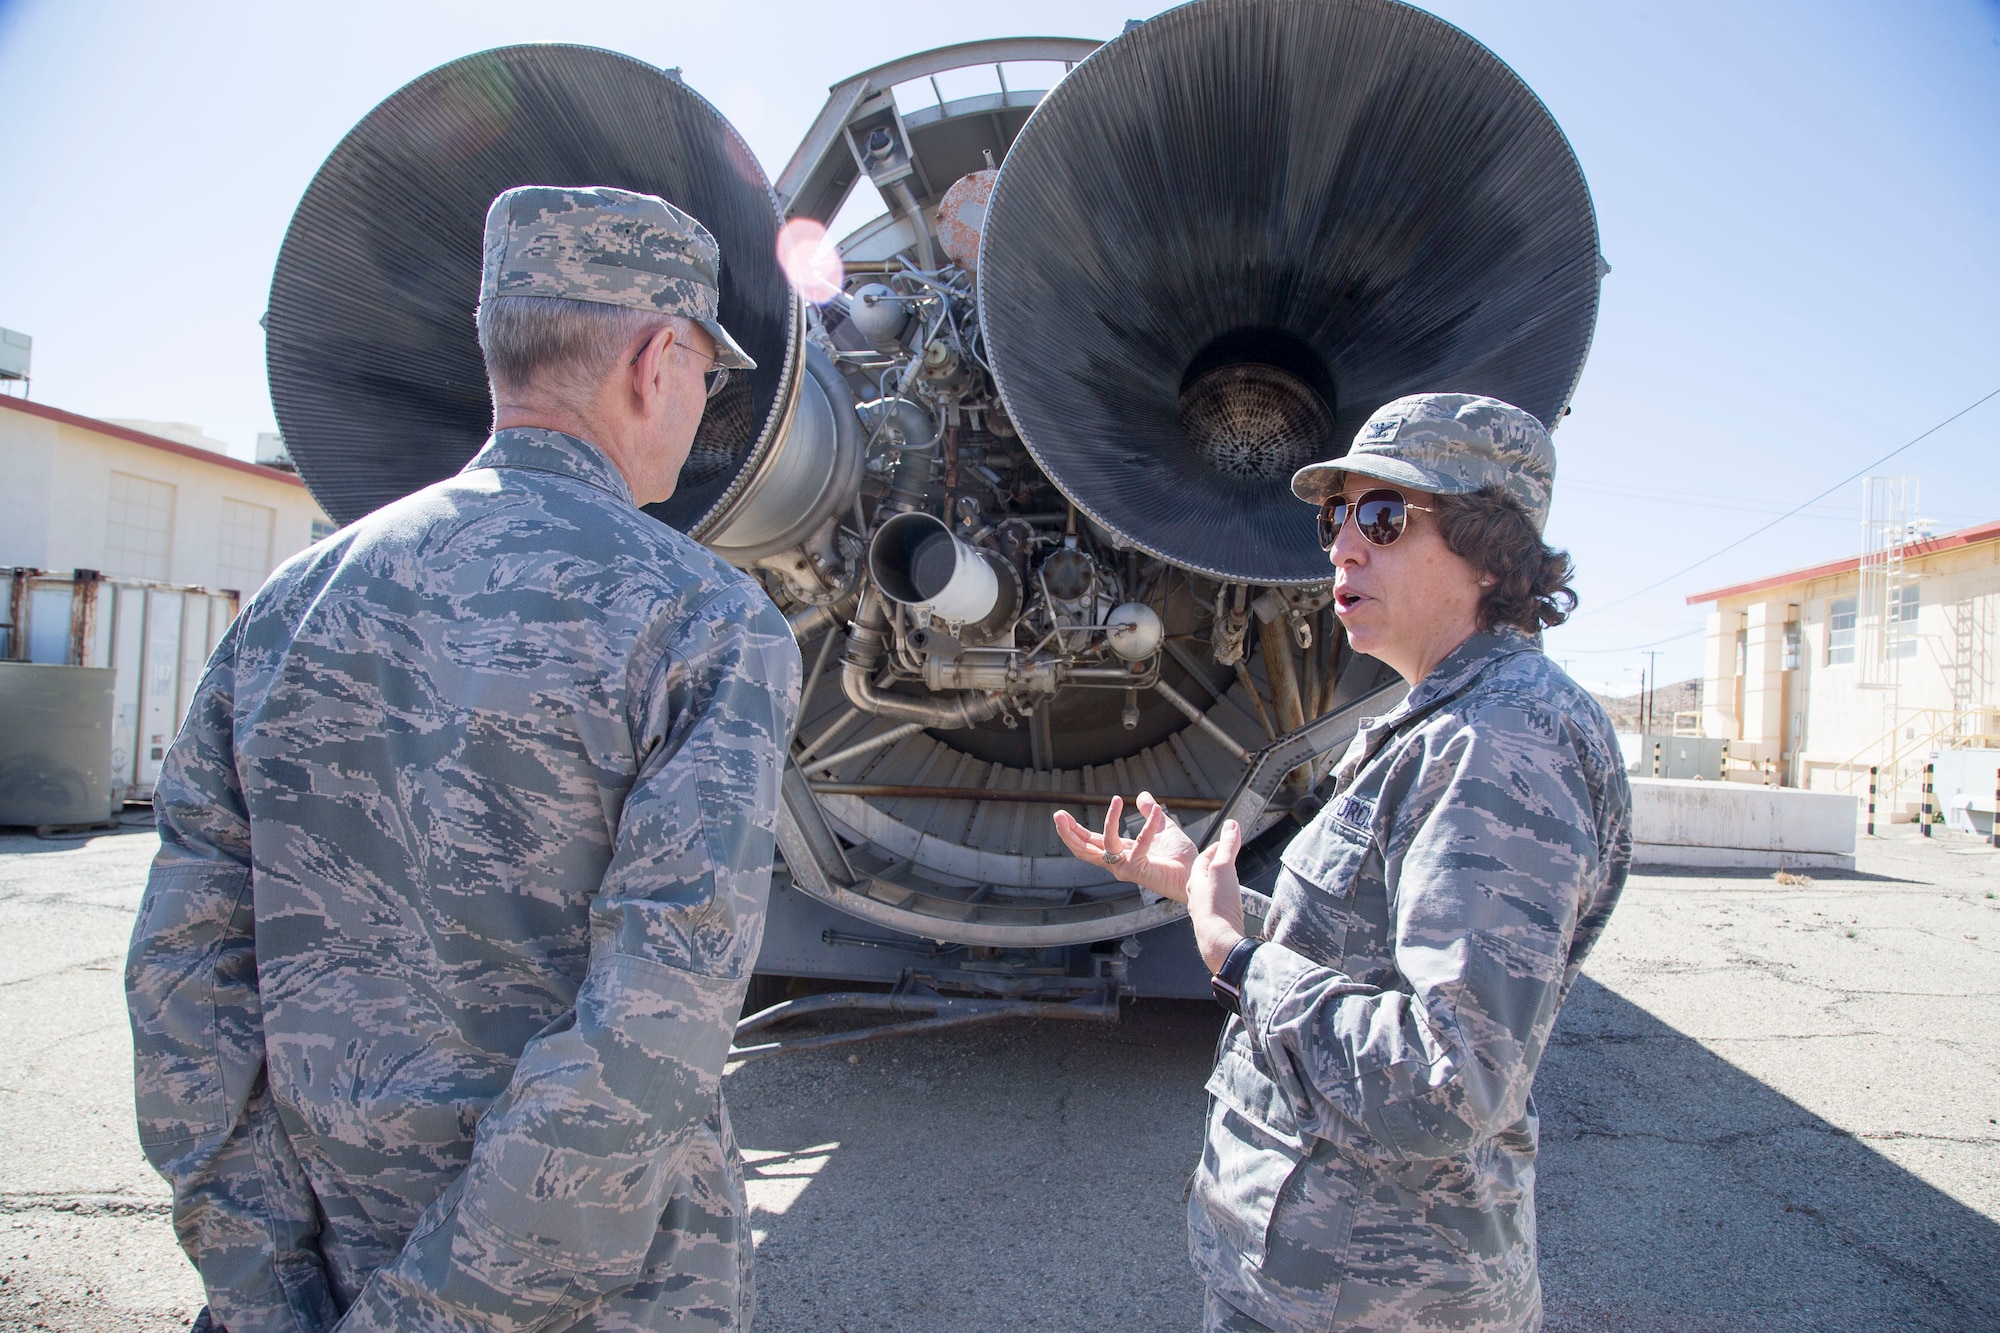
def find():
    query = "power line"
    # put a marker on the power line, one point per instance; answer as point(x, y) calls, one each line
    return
point(1637, 647)
point(1860, 472)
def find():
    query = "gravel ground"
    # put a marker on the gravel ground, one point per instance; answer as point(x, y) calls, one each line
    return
point(1768, 1106)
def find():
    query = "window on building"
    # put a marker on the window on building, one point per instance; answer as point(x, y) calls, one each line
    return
point(321, 530)
point(1742, 652)
point(139, 528)
point(243, 554)
point(1791, 645)
point(1904, 603)
point(1840, 617)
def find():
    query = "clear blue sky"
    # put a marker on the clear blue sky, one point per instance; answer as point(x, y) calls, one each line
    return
point(1800, 202)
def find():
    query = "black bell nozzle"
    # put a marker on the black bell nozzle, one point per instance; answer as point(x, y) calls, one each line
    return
point(373, 357)
point(1232, 233)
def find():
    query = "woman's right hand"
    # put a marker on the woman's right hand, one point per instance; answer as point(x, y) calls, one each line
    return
point(1158, 859)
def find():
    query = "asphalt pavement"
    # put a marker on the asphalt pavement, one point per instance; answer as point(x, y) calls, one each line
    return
point(1768, 1106)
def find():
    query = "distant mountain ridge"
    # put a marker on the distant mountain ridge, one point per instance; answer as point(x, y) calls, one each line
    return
point(1681, 696)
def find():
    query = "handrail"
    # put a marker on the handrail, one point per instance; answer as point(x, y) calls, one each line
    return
point(1849, 772)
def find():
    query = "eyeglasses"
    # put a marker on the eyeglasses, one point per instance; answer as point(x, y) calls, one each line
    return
point(1381, 516)
point(712, 379)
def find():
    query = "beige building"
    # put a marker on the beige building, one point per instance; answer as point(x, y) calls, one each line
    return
point(1830, 670)
point(127, 549)
point(86, 494)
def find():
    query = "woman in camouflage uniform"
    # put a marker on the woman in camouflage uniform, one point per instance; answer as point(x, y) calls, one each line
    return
point(1370, 1153)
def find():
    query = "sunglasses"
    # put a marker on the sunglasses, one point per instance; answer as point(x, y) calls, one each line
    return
point(1381, 516)
point(712, 379)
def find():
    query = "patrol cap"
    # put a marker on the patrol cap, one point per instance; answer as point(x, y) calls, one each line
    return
point(1447, 444)
point(615, 247)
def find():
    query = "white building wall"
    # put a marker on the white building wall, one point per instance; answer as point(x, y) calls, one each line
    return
point(27, 478)
point(1832, 725)
point(1763, 719)
point(56, 505)
point(1718, 684)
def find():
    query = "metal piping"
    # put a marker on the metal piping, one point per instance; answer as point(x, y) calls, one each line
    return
point(906, 204)
point(867, 637)
point(1282, 672)
point(810, 620)
point(869, 746)
point(945, 1011)
point(1202, 720)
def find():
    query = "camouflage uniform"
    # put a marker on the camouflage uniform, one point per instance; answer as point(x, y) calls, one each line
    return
point(465, 848)
point(1370, 1155)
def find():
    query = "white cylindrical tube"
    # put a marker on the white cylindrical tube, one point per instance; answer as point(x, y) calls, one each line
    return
point(916, 561)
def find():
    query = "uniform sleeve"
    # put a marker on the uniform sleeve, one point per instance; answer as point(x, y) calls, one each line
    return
point(1490, 849)
point(243, 1209)
point(572, 1166)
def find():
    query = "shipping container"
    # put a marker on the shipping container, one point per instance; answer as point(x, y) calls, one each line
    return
point(157, 637)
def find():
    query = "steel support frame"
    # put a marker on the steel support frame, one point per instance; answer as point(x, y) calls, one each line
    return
point(923, 1009)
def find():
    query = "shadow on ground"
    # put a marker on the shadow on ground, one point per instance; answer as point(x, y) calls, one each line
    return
point(1030, 1176)
point(1679, 1193)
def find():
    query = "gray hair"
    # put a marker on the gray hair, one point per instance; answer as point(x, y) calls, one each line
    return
point(564, 348)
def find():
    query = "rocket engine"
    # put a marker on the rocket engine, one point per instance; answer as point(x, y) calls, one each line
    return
point(1020, 481)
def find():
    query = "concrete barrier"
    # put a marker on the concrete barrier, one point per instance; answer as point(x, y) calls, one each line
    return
point(1723, 824)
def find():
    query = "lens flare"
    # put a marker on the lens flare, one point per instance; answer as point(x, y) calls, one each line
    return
point(811, 264)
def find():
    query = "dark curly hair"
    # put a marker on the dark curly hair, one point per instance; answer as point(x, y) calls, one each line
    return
point(1492, 532)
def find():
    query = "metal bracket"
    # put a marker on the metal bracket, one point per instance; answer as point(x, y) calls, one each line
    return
point(1269, 766)
point(929, 1011)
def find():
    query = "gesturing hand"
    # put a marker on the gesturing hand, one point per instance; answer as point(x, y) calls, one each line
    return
point(1215, 899)
point(1159, 858)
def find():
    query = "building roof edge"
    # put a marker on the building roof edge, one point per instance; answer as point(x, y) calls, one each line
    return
point(82, 422)
point(1978, 532)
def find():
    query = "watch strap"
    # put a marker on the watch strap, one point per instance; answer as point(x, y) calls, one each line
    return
point(1227, 984)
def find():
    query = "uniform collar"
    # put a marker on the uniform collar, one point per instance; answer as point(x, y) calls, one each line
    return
point(539, 450)
point(1466, 661)
point(1460, 667)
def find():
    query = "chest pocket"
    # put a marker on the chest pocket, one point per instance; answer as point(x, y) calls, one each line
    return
point(1313, 899)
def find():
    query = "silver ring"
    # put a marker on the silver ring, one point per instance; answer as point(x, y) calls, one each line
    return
point(1112, 858)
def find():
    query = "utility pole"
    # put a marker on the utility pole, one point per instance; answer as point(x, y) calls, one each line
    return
point(1644, 724)
point(1653, 674)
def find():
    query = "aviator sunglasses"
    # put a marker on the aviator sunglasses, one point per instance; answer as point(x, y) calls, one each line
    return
point(1381, 516)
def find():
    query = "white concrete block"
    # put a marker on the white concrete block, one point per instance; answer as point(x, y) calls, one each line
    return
point(1654, 854)
point(1677, 822)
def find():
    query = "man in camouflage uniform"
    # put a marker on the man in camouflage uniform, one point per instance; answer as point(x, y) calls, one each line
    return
point(465, 848)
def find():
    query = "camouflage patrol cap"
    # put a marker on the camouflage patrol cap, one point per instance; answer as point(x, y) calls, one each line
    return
point(614, 247)
point(1447, 444)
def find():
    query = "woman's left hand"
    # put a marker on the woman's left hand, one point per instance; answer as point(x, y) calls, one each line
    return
point(1215, 899)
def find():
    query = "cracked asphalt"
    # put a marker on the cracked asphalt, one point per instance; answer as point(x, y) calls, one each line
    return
point(1768, 1106)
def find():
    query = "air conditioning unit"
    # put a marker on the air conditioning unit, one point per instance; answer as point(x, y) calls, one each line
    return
point(15, 350)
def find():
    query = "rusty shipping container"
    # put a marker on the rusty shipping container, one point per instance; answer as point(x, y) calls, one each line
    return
point(155, 637)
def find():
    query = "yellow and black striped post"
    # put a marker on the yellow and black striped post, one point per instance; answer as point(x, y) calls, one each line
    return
point(1929, 772)
point(1656, 759)
point(1996, 809)
point(1871, 801)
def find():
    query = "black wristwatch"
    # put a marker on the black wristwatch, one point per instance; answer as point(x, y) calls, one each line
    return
point(1227, 984)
